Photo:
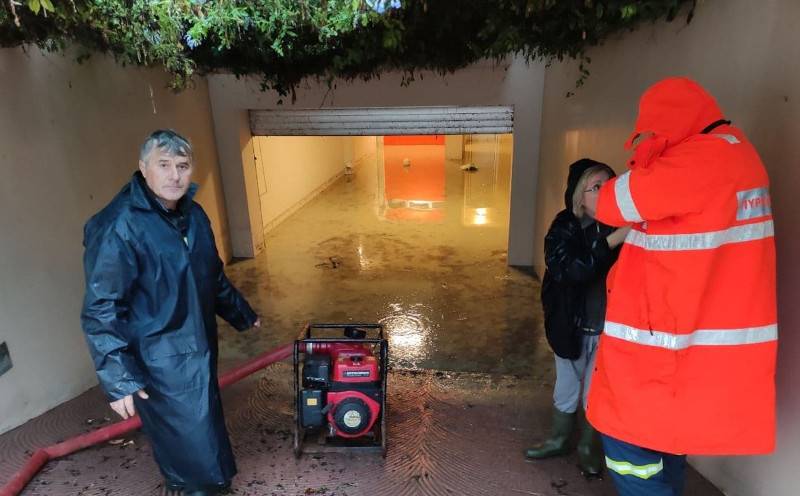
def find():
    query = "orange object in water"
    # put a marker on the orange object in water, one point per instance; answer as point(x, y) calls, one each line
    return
point(686, 364)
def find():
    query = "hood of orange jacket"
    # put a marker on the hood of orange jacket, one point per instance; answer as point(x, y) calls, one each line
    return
point(669, 112)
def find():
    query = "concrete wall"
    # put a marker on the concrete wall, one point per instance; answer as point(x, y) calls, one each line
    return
point(293, 169)
point(745, 53)
point(359, 150)
point(69, 139)
point(365, 149)
point(514, 83)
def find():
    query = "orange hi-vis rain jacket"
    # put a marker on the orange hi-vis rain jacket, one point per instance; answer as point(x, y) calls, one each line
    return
point(686, 364)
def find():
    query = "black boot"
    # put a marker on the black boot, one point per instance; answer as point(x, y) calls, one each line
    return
point(590, 450)
point(210, 490)
point(172, 489)
point(558, 442)
point(177, 490)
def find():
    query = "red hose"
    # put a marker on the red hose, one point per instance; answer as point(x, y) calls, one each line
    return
point(104, 434)
point(236, 374)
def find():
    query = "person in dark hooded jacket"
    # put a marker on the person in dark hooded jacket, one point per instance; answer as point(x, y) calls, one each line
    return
point(154, 283)
point(579, 252)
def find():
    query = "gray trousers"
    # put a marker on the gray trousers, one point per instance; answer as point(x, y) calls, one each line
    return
point(574, 376)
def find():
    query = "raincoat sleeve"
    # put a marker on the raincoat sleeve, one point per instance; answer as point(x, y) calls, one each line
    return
point(231, 305)
point(569, 260)
point(666, 187)
point(110, 269)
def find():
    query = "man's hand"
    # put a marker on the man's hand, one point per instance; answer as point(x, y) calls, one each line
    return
point(257, 323)
point(124, 407)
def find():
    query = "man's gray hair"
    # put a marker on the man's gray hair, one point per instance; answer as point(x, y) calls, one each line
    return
point(167, 140)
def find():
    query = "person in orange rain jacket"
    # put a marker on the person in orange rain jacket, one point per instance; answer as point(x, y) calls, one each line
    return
point(686, 363)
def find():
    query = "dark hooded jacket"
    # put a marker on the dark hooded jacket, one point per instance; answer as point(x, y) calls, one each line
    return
point(577, 258)
point(154, 282)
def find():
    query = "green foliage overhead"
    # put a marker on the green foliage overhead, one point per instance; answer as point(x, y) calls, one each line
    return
point(285, 41)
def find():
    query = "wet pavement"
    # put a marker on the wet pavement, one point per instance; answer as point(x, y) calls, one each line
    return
point(422, 250)
point(449, 434)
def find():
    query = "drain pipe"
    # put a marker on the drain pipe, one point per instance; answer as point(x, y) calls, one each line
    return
point(104, 434)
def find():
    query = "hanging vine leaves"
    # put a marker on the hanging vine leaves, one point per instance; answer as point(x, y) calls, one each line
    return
point(284, 41)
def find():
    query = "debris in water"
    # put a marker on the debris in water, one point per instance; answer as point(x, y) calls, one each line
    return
point(332, 263)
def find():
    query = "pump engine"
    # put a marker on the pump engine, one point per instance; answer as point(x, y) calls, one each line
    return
point(342, 385)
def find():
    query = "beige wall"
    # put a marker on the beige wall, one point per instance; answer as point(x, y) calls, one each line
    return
point(511, 83)
point(69, 138)
point(365, 149)
point(360, 149)
point(293, 169)
point(745, 53)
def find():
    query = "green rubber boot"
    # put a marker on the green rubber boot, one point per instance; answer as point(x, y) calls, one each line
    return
point(558, 442)
point(590, 450)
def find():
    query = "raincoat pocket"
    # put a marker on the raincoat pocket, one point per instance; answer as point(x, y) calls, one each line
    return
point(175, 365)
point(169, 345)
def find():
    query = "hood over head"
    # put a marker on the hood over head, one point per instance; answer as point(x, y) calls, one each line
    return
point(576, 170)
point(671, 110)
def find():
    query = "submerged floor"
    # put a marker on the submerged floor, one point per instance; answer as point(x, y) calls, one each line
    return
point(472, 375)
point(420, 248)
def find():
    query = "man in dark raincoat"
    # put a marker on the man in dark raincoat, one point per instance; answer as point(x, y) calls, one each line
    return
point(154, 283)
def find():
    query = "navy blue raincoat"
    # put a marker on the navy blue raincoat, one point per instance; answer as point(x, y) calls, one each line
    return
point(154, 282)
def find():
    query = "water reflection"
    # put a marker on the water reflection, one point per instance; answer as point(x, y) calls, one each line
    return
point(479, 215)
point(435, 179)
point(486, 184)
point(408, 328)
point(364, 263)
point(414, 178)
point(433, 271)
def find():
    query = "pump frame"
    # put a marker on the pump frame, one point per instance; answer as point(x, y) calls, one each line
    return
point(376, 443)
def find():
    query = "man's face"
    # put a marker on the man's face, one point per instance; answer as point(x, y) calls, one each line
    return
point(167, 175)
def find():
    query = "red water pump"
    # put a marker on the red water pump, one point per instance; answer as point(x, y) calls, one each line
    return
point(340, 386)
